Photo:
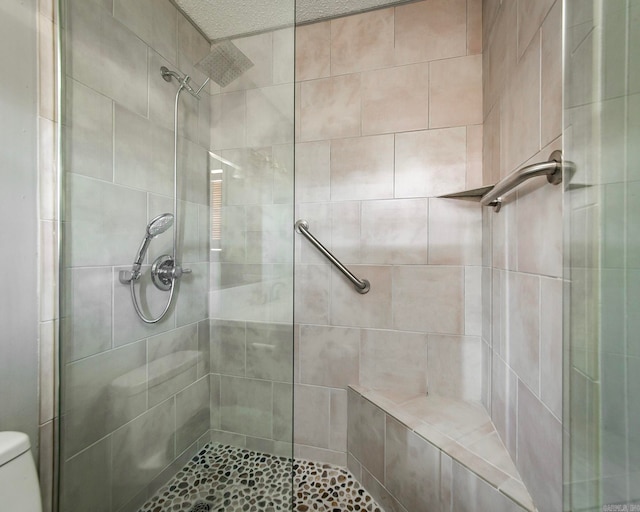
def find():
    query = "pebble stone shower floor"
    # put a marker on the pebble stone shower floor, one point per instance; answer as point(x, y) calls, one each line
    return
point(223, 478)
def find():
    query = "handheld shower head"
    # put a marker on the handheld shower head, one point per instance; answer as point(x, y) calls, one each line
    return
point(160, 224)
point(156, 227)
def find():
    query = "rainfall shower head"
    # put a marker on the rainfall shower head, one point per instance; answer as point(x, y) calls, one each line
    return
point(160, 224)
point(224, 63)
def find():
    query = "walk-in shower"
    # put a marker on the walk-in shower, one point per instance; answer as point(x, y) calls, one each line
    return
point(153, 369)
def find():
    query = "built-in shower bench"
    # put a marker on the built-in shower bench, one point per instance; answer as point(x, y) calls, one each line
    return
point(430, 454)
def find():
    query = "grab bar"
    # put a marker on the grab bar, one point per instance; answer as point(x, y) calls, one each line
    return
point(361, 285)
point(551, 169)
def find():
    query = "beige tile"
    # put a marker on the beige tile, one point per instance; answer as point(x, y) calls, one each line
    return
point(491, 164)
point(364, 41)
point(474, 156)
point(428, 299)
point(430, 163)
point(551, 344)
point(499, 55)
point(472, 493)
point(320, 455)
point(313, 165)
point(520, 128)
point(504, 397)
point(455, 92)
point(141, 449)
point(516, 490)
point(454, 367)
point(455, 232)
point(83, 481)
point(246, 406)
point(451, 417)
point(474, 27)
point(345, 230)
point(394, 231)
point(412, 468)
point(395, 99)
point(330, 108)
point(284, 56)
point(430, 30)
point(523, 344)
point(312, 415)
point(551, 79)
point(491, 449)
point(338, 425)
point(473, 300)
point(329, 356)
point(530, 18)
point(229, 120)
point(366, 434)
point(270, 351)
point(193, 414)
point(541, 470)
point(394, 361)
point(270, 113)
point(362, 168)
point(379, 493)
point(313, 51)
point(312, 294)
point(350, 308)
point(479, 466)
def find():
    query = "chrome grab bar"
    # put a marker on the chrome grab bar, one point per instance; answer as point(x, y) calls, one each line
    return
point(551, 169)
point(361, 285)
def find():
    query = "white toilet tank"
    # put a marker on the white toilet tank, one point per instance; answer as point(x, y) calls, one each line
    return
point(19, 489)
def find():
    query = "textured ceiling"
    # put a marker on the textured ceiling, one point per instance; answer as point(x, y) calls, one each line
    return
point(227, 18)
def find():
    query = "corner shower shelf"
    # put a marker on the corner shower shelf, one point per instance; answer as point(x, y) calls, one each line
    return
point(492, 194)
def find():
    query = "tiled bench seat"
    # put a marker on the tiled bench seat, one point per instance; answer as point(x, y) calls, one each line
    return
point(430, 454)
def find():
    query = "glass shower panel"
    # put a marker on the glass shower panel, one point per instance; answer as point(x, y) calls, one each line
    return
point(148, 408)
point(602, 205)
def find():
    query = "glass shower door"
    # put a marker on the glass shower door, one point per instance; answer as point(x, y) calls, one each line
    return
point(602, 211)
point(177, 195)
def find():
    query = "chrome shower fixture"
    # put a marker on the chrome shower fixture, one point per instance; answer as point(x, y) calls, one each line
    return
point(184, 81)
point(156, 227)
point(164, 270)
point(224, 63)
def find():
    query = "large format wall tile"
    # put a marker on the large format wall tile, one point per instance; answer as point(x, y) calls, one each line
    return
point(394, 361)
point(101, 393)
point(330, 108)
point(430, 31)
point(412, 468)
point(360, 42)
point(428, 299)
point(106, 56)
point(430, 163)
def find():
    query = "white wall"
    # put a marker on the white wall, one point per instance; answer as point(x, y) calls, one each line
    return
point(18, 219)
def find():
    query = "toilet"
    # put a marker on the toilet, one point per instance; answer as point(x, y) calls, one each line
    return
point(19, 488)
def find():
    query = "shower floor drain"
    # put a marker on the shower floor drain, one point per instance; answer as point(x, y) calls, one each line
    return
point(202, 506)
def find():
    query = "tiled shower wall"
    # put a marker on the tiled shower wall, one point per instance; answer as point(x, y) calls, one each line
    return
point(135, 397)
point(389, 117)
point(522, 244)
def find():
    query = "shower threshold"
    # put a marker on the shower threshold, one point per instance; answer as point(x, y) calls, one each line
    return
point(222, 478)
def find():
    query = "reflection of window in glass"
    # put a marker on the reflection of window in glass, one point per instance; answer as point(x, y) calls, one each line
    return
point(216, 209)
